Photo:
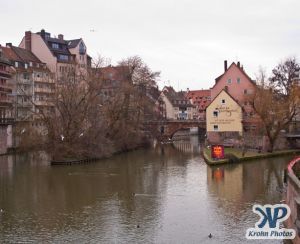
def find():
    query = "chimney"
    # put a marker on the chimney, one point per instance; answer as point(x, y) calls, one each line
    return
point(238, 64)
point(225, 65)
point(61, 37)
point(28, 40)
point(43, 34)
point(9, 44)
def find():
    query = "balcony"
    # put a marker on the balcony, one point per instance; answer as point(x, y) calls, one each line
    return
point(43, 103)
point(24, 105)
point(6, 100)
point(4, 74)
point(43, 80)
point(6, 88)
point(24, 81)
point(43, 90)
point(6, 121)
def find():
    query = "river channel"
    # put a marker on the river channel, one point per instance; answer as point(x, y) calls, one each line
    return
point(164, 194)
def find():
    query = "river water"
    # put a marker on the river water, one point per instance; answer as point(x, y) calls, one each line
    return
point(165, 194)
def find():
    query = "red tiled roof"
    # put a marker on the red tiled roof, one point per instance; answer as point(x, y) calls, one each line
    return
point(240, 68)
point(197, 93)
point(10, 54)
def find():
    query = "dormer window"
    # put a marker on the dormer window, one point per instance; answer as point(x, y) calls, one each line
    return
point(229, 81)
point(82, 48)
point(55, 45)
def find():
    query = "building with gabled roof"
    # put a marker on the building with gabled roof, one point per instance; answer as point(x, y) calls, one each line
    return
point(201, 99)
point(32, 82)
point(61, 56)
point(223, 114)
point(6, 101)
point(240, 86)
point(175, 105)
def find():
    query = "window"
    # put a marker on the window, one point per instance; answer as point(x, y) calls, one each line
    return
point(223, 101)
point(216, 127)
point(238, 80)
point(25, 76)
point(215, 113)
point(229, 81)
point(63, 57)
point(55, 45)
point(245, 91)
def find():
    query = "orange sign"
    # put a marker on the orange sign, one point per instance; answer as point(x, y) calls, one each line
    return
point(217, 151)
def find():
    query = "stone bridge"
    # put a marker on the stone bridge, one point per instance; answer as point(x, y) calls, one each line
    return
point(165, 129)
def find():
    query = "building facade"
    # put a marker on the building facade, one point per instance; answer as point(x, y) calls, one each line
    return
point(33, 83)
point(175, 105)
point(223, 115)
point(200, 99)
point(63, 57)
point(241, 88)
point(6, 101)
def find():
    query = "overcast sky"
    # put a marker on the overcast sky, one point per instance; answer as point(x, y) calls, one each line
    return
point(187, 40)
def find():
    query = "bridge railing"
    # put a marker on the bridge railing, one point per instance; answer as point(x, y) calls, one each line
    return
point(177, 121)
point(6, 121)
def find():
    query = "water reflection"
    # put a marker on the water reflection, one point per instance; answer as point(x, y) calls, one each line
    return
point(168, 191)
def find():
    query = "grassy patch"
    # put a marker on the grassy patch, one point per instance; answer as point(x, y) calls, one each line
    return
point(248, 155)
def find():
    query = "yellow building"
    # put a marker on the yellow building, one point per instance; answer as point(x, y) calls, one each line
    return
point(223, 114)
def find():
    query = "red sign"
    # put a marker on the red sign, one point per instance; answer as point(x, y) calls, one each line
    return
point(217, 151)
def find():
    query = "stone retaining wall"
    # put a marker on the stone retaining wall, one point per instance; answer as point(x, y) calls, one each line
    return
point(293, 199)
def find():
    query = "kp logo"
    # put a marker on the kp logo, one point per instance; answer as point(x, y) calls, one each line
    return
point(268, 226)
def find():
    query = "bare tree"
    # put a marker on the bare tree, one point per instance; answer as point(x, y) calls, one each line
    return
point(90, 116)
point(283, 75)
point(276, 110)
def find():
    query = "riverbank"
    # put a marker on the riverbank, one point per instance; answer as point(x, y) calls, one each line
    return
point(249, 155)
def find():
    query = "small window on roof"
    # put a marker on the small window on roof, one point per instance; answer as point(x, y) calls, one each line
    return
point(238, 80)
point(229, 81)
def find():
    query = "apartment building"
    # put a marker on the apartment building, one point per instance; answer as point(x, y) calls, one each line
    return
point(32, 82)
point(6, 101)
point(175, 105)
point(63, 57)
